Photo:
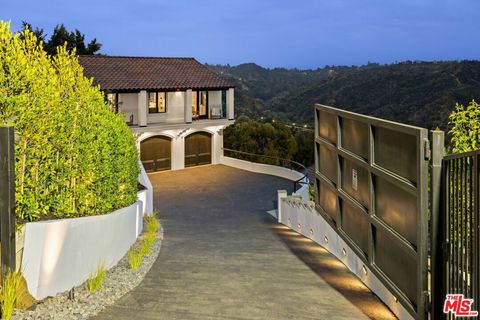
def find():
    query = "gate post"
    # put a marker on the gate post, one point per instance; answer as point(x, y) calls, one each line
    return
point(7, 200)
point(437, 139)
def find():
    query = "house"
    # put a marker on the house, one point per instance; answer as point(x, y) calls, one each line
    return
point(176, 106)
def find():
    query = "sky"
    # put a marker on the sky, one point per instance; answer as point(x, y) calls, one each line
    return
point(272, 33)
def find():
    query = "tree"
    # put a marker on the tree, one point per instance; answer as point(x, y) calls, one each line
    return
point(73, 156)
point(465, 127)
point(61, 36)
point(272, 140)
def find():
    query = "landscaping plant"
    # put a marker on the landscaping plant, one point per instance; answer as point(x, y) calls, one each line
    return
point(135, 257)
point(465, 127)
point(94, 283)
point(14, 294)
point(73, 156)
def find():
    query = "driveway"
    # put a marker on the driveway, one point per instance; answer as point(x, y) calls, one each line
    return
point(223, 257)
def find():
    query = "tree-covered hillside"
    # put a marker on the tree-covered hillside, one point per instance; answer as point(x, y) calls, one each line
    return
point(418, 93)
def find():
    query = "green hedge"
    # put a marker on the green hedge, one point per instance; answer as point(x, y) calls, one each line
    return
point(73, 156)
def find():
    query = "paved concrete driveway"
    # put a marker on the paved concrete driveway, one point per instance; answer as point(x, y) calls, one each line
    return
point(223, 257)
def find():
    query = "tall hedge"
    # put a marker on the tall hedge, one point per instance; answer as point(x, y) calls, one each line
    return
point(73, 157)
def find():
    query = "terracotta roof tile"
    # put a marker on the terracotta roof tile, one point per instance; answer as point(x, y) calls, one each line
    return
point(149, 73)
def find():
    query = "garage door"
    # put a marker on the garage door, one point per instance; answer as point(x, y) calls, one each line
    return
point(198, 149)
point(156, 153)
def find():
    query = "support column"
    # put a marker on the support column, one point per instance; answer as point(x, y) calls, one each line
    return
point(142, 108)
point(230, 104)
point(188, 106)
point(281, 194)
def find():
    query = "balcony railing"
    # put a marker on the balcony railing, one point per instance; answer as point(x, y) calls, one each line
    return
point(271, 160)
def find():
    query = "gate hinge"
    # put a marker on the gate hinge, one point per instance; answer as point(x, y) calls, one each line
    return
point(426, 300)
point(427, 151)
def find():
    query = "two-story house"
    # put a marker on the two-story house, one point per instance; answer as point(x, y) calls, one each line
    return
point(176, 106)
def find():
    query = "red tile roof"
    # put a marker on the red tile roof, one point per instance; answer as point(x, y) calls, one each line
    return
point(150, 73)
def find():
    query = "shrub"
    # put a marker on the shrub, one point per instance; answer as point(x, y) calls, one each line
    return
point(73, 157)
point(135, 257)
point(465, 127)
point(94, 283)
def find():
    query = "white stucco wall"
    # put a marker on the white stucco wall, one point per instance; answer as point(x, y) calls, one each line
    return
point(302, 217)
point(146, 196)
point(128, 105)
point(61, 254)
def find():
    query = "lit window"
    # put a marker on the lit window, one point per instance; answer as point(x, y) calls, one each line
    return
point(112, 101)
point(157, 102)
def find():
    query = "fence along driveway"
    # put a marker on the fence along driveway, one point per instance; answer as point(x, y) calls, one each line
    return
point(372, 186)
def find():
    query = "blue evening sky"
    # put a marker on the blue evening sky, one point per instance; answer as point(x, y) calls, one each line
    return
point(302, 33)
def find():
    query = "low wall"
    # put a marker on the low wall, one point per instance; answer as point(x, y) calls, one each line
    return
point(146, 196)
point(61, 254)
point(302, 217)
point(278, 171)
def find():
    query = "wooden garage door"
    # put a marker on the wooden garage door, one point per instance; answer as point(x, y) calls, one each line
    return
point(156, 153)
point(198, 149)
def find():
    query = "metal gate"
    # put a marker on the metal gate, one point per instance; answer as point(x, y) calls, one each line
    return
point(459, 230)
point(372, 186)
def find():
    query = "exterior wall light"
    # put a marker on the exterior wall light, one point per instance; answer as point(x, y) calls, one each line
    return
point(299, 226)
point(365, 272)
point(311, 231)
point(325, 239)
point(396, 299)
point(344, 252)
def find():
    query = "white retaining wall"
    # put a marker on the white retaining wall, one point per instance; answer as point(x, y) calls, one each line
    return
point(302, 217)
point(278, 171)
point(146, 196)
point(61, 254)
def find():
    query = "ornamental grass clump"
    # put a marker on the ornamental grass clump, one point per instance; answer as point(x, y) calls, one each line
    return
point(135, 257)
point(73, 156)
point(14, 294)
point(94, 283)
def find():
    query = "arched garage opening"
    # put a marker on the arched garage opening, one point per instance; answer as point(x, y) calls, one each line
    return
point(156, 153)
point(198, 149)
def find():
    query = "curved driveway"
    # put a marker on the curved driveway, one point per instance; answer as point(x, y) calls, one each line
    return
point(223, 258)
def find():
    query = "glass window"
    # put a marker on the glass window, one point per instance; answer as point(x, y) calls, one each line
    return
point(152, 102)
point(202, 110)
point(161, 102)
point(112, 101)
point(157, 102)
point(194, 104)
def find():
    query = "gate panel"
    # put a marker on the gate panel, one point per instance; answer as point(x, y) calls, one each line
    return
point(376, 173)
point(459, 227)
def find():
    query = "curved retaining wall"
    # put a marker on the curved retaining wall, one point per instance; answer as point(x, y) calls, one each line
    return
point(302, 217)
point(281, 172)
point(61, 254)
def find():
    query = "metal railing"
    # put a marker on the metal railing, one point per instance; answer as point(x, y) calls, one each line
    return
point(459, 227)
point(276, 161)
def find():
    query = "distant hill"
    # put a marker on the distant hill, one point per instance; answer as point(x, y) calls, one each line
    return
point(418, 93)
